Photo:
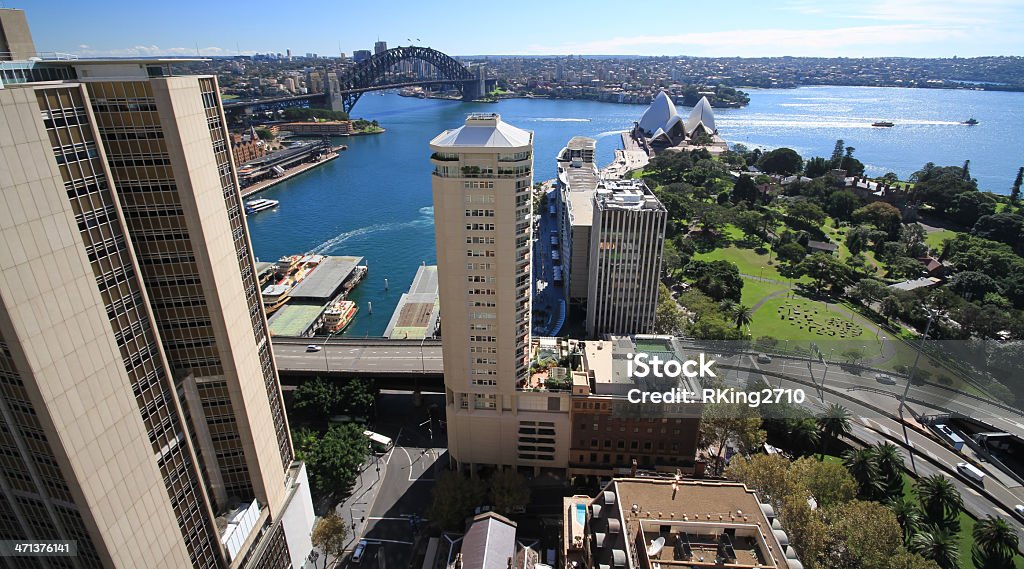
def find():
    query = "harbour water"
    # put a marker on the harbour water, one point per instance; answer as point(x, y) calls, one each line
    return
point(375, 199)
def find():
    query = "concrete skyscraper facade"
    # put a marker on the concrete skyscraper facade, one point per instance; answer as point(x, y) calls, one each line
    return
point(482, 180)
point(139, 401)
point(626, 241)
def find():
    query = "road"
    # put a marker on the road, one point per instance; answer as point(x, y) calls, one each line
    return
point(372, 357)
point(924, 455)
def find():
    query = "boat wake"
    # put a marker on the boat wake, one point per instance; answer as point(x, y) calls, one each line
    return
point(426, 219)
point(610, 133)
point(556, 119)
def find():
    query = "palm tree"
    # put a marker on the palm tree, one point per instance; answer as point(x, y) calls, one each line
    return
point(834, 422)
point(742, 316)
point(864, 467)
point(890, 469)
point(940, 501)
point(939, 545)
point(995, 543)
point(804, 435)
point(908, 515)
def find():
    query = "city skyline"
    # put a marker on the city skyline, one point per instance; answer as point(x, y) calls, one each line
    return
point(919, 28)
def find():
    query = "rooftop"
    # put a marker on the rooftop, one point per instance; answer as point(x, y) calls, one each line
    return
point(417, 312)
point(294, 319)
point(677, 523)
point(484, 131)
point(490, 543)
point(325, 280)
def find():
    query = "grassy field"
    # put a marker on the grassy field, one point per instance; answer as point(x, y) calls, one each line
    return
point(754, 291)
point(935, 238)
point(748, 261)
point(797, 322)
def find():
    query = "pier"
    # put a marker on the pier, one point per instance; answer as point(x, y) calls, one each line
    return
point(417, 312)
point(279, 166)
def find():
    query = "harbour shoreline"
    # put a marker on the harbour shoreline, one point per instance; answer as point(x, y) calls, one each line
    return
point(289, 173)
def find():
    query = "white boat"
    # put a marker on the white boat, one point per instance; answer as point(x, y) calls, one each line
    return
point(252, 206)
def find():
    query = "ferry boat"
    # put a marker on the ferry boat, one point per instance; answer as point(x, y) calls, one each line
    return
point(970, 122)
point(883, 123)
point(253, 206)
point(291, 270)
point(339, 315)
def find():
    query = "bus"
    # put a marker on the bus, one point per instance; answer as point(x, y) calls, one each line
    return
point(378, 442)
point(971, 471)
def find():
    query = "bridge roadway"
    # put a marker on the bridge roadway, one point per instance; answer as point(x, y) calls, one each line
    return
point(393, 360)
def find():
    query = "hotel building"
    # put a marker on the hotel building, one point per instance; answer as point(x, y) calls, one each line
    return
point(140, 410)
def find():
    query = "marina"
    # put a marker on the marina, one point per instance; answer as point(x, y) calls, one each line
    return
point(307, 294)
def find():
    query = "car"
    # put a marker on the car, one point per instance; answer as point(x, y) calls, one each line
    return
point(764, 359)
point(357, 554)
point(1018, 511)
point(313, 348)
point(885, 378)
point(970, 471)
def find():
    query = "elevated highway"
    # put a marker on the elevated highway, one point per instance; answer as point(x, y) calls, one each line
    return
point(397, 364)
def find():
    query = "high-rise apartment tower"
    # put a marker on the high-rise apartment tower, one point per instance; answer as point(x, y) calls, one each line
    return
point(483, 173)
point(140, 410)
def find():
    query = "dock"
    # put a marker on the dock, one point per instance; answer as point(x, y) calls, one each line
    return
point(303, 314)
point(283, 165)
point(416, 316)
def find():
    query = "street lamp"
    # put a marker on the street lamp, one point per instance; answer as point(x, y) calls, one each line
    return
point(910, 380)
point(327, 363)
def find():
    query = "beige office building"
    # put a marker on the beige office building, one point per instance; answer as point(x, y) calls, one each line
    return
point(483, 173)
point(140, 411)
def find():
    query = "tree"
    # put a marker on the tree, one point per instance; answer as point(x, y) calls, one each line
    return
point(907, 560)
point(806, 212)
point(973, 284)
point(842, 204)
point(791, 252)
point(358, 396)
point(749, 222)
point(719, 279)
point(890, 470)
point(508, 490)
point(939, 545)
point(837, 154)
point(939, 186)
point(834, 422)
point(909, 517)
point(828, 482)
point(330, 535)
point(862, 465)
point(860, 534)
point(806, 528)
point(825, 270)
point(322, 399)
point(453, 499)
point(741, 315)
point(783, 161)
point(744, 190)
point(871, 290)
point(722, 423)
point(883, 216)
point(995, 543)
point(816, 167)
point(804, 436)
point(767, 474)
point(1003, 227)
point(1015, 191)
point(333, 458)
point(668, 317)
point(940, 502)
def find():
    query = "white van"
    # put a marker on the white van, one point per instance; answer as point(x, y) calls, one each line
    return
point(971, 471)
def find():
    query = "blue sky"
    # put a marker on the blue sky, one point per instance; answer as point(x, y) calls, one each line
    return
point(746, 28)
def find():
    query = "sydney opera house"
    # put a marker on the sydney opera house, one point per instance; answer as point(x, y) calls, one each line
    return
point(663, 127)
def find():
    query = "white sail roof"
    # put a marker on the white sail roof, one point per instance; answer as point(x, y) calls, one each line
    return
point(658, 114)
point(701, 114)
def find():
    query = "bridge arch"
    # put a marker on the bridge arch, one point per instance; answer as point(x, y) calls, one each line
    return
point(365, 76)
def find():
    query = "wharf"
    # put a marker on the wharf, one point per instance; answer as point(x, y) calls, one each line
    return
point(415, 317)
point(303, 314)
point(632, 157)
point(290, 173)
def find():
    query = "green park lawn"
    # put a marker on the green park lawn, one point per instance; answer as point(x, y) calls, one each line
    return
point(797, 322)
point(748, 261)
point(934, 239)
point(754, 290)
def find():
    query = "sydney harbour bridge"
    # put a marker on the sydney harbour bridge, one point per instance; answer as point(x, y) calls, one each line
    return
point(343, 93)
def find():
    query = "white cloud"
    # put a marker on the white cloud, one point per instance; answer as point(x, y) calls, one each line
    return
point(870, 39)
